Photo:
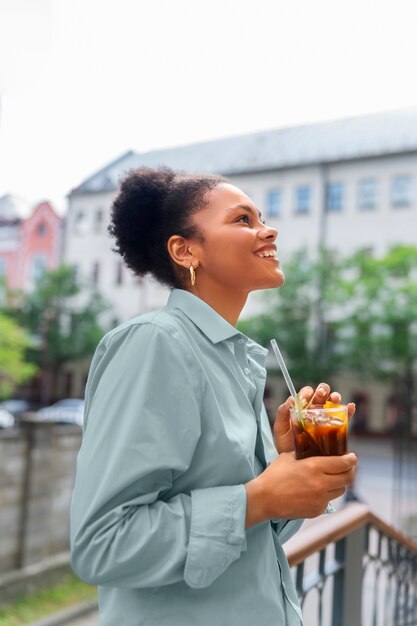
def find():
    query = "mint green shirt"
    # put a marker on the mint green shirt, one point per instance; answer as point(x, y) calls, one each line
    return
point(174, 427)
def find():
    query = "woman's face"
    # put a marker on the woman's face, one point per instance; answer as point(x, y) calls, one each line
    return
point(238, 251)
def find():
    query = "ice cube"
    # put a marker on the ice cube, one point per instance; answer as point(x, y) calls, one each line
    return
point(308, 417)
point(335, 421)
point(321, 418)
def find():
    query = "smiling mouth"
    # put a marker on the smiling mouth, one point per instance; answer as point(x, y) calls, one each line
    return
point(267, 254)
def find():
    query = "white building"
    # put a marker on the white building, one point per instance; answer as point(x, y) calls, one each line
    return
point(348, 184)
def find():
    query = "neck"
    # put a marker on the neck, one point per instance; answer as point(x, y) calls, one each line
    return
point(225, 302)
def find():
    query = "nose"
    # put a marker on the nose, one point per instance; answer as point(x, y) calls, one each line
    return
point(267, 233)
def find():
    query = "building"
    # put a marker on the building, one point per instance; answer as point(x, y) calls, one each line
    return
point(29, 244)
point(348, 184)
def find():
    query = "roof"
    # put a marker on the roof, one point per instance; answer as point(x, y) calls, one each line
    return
point(13, 208)
point(367, 136)
point(45, 205)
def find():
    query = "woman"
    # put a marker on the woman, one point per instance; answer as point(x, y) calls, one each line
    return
point(181, 502)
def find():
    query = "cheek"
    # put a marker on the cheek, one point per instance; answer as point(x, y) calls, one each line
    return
point(224, 264)
point(229, 254)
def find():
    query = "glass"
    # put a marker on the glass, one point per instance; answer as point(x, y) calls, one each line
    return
point(319, 431)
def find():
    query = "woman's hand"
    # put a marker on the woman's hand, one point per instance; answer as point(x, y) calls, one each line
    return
point(284, 440)
point(290, 489)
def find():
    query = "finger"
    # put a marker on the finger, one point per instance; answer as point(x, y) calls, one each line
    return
point(321, 393)
point(340, 481)
point(289, 402)
point(284, 409)
point(306, 393)
point(337, 464)
point(335, 397)
point(351, 407)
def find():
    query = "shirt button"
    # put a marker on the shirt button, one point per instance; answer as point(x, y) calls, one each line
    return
point(246, 370)
point(241, 341)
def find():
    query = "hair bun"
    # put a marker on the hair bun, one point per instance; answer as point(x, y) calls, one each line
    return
point(154, 204)
point(136, 212)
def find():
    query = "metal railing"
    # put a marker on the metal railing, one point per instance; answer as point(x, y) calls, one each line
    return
point(353, 569)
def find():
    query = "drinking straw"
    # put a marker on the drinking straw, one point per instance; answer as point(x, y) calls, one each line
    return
point(284, 370)
point(329, 508)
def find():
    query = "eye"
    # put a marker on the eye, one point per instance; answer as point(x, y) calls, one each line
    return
point(243, 218)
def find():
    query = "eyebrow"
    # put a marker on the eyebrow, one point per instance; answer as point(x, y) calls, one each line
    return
point(245, 207)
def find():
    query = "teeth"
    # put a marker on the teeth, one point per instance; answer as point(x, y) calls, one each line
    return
point(267, 253)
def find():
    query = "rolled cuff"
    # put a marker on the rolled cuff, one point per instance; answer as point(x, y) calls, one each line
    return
point(217, 533)
point(285, 529)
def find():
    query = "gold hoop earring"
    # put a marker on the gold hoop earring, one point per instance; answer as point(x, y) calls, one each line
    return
point(192, 276)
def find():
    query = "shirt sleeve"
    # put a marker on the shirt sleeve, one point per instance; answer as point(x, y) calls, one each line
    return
point(141, 430)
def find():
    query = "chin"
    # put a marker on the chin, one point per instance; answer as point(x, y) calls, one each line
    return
point(278, 280)
point(273, 283)
point(281, 277)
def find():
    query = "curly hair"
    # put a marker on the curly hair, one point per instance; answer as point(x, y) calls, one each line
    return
point(152, 205)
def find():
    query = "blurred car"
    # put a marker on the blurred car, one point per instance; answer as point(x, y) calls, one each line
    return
point(6, 419)
point(67, 411)
point(16, 407)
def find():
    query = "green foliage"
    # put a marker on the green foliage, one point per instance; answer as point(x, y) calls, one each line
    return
point(14, 342)
point(379, 334)
point(62, 320)
point(64, 328)
point(295, 316)
point(357, 314)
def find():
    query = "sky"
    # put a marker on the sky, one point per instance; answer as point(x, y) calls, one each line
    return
point(82, 81)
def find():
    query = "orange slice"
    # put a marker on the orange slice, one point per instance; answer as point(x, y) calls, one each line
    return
point(333, 405)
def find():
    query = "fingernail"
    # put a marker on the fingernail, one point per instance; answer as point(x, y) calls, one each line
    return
point(321, 390)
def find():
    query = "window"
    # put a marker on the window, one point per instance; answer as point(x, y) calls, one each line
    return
point(96, 273)
point(119, 273)
point(273, 205)
point(401, 191)
point(37, 267)
point(80, 222)
point(41, 229)
point(98, 220)
point(302, 199)
point(367, 194)
point(334, 197)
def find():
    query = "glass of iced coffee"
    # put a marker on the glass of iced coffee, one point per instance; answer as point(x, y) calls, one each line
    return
point(319, 430)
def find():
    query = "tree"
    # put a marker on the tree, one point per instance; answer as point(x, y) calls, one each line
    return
point(63, 329)
point(357, 314)
point(14, 342)
point(299, 316)
point(378, 335)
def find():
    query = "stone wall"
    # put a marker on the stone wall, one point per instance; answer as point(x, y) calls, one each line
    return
point(37, 470)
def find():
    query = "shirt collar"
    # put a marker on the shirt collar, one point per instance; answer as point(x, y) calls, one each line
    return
point(213, 325)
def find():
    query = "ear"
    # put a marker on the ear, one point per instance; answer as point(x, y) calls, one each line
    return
point(180, 251)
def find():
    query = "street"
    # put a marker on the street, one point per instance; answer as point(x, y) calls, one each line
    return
point(377, 484)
